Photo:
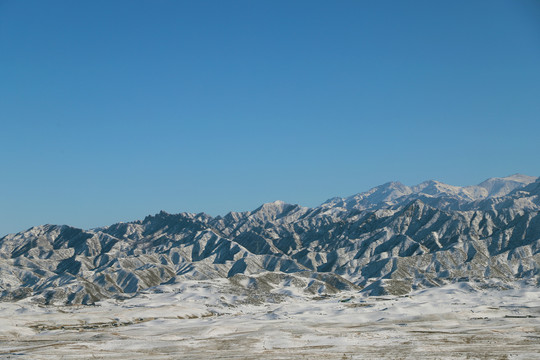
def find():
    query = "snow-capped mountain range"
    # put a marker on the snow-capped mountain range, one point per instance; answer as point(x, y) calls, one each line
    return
point(390, 239)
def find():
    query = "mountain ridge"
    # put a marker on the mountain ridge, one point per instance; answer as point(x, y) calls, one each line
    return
point(390, 239)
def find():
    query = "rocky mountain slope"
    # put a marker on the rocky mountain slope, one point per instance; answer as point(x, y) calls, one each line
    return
point(391, 239)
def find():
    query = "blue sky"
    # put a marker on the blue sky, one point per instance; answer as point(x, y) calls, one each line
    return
point(112, 110)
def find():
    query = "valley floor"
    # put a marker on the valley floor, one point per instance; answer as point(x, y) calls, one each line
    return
point(202, 321)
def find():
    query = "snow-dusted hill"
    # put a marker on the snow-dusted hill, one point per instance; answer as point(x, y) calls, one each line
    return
point(391, 239)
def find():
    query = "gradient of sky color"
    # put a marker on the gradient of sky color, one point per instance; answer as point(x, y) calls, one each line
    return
point(112, 110)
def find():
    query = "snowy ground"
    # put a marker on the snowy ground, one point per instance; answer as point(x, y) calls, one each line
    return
point(206, 320)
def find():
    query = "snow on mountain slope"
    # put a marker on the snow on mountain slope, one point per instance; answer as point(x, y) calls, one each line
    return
point(433, 192)
point(391, 239)
point(497, 187)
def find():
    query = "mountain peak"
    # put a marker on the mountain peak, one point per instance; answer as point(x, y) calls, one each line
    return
point(278, 204)
point(497, 187)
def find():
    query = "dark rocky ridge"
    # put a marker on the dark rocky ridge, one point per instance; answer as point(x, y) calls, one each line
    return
point(389, 240)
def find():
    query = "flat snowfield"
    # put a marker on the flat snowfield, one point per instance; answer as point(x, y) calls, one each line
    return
point(200, 321)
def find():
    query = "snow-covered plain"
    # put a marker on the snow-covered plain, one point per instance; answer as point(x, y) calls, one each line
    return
point(213, 320)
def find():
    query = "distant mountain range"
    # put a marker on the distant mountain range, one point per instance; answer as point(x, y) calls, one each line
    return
point(390, 239)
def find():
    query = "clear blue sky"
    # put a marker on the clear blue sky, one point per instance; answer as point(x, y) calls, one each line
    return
point(112, 110)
